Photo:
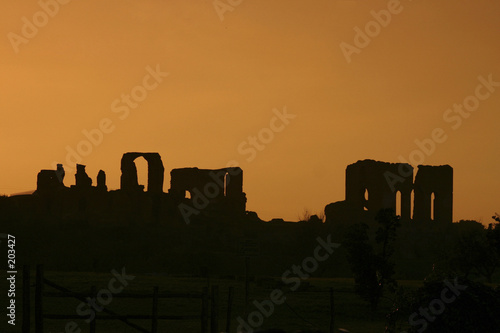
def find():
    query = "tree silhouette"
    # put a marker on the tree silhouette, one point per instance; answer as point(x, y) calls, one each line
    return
point(478, 251)
point(475, 254)
point(474, 307)
point(372, 270)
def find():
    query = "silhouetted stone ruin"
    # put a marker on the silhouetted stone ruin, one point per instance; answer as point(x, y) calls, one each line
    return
point(221, 189)
point(128, 180)
point(214, 193)
point(101, 181)
point(206, 194)
point(60, 173)
point(202, 220)
point(434, 188)
point(367, 187)
point(372, 186)
point(49, 181)
point(82, 180)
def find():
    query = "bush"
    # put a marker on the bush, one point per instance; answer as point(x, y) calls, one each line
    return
point(467, 306)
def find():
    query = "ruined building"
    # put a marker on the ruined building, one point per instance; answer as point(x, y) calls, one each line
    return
point(203, 193)
point(50, 180)
point(222, 189)
point(128, 180)
point(372, 185)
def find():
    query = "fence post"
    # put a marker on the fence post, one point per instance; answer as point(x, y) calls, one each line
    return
point(332, 312)
point(38, 299)
point(93, 294)
point(247, 284)
point(229, 305)
point(204, 273)
point(204, 310)
point(214, 320)
point(154, 321)
point(26, 299)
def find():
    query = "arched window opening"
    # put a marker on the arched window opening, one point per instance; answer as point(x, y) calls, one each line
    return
point(365, 206)
point(226, 182)
point(412, 199)
point(398, 203)
point(433, 198)
point(142, 171)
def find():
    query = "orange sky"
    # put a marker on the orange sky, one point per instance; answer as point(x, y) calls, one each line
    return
point(227, 76)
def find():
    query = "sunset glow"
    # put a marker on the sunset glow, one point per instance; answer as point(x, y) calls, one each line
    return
point(293, 91)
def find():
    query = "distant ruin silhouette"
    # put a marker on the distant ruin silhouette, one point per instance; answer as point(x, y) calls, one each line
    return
point(82, 180)
point(128, 180)
point(226, 185)
point(372, 186)
point(202, 219)
point(194, 193)
point(197, 194)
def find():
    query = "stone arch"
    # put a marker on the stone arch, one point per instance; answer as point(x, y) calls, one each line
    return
point(437, 180)
point(381, 181)
point(128, 180)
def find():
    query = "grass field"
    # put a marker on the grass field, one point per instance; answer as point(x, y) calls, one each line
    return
point(306, 308)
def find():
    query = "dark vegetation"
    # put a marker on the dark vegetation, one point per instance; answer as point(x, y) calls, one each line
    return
point(375, 253)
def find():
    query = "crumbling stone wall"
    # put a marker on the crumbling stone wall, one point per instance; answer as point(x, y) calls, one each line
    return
point(229, 180)
point(82, 180)
point(437, 180)
point(222, 187)
point(101, 181)
point(128, 180)
point(376, 179)
point(191, 179)
point(372, 186)
point(48, 181)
